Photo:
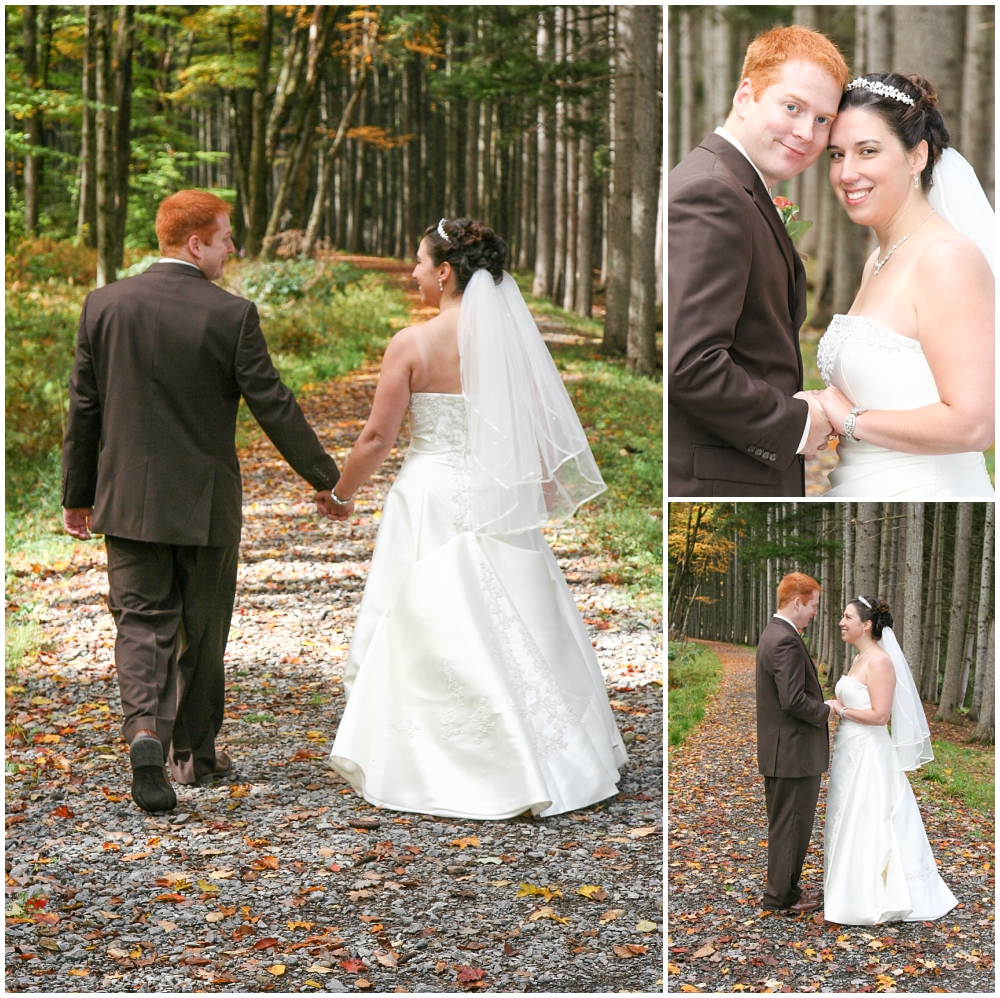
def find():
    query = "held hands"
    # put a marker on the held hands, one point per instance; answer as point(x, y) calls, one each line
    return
point(835, 706)
point(820, 428)
point(77, 521)
point(836, 406)
point(330, 509)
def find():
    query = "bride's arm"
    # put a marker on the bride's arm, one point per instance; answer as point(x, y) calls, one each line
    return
point(954, 306)
point(392, 396)
point(881, 685)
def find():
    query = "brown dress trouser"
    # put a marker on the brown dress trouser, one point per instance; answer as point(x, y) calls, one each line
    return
point(791, 808)
point(173, 605)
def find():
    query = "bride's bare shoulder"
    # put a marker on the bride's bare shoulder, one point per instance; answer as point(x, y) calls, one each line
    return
point(881, 665)
point(951, 260)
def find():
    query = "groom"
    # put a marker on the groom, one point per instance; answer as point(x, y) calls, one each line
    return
point(149, 460)
point(738, 422)
point(793, 745)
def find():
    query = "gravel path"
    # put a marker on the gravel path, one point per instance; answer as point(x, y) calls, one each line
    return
point(721, 940)
point(269, 884)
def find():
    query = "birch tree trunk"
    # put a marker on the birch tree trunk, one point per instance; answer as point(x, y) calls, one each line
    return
point(951, 693)
point(559, 274)
point(913, 585)
point(619, 221)
point(977, 94)
point(641, 346)
point(984, 611)
point(105, 150)
point(929, 662)
point(866, 550)
point(985, 730)
point(541, 285)
point(585, 198)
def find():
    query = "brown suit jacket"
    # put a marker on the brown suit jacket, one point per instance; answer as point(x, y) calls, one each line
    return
point(736, 298)
point(161, 362)
point(792, 735)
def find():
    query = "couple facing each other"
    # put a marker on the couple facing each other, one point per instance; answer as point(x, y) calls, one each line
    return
point(877, 862)
point(909, 370)
point(472, 686)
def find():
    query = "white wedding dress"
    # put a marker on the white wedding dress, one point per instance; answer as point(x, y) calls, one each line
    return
point(472, 686)
point(878, 865)
point(877, 368)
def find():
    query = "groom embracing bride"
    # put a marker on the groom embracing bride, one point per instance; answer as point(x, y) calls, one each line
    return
point(739, 422)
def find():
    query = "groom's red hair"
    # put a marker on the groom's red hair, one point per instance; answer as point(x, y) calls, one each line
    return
point(769, 51)
point(797, 584)
point(185, 213)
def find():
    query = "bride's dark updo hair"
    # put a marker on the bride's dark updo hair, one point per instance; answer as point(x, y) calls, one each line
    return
point(908, 122)
point(470, 246)
point(877, 612)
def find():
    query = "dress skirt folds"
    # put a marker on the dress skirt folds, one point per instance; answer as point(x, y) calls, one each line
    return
point(878, 863)
point(472, 686)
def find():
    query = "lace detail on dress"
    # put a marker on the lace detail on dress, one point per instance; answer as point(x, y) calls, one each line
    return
point(482, 718)
point(406, 728)
point(869, 332)
point(847, 780)
point(537, 690)
point(442, 416)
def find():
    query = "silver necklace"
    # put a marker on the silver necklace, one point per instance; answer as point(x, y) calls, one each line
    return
point(879, 264)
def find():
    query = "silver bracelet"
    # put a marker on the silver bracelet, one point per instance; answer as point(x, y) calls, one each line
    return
point(849, 423)
point(340, 502)
point(842, 713)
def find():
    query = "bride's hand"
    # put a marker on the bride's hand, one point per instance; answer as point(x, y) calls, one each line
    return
point(835, 705)
point(837, 407)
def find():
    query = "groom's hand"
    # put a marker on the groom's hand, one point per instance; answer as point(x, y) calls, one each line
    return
point(331, 510)
point(77, 521)
point(819, 426)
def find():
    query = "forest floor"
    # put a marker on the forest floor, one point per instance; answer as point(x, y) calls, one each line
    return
point(721, 940)
point(264, 884)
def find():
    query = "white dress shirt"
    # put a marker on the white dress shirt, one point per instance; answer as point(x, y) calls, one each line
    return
point(173, 259)
point(730, 138)
point(787, 621)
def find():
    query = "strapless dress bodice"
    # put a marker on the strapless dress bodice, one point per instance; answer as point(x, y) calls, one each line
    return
point(437, 423)
point(852, 693)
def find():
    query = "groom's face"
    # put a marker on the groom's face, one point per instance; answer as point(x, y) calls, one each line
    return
point(786, 127)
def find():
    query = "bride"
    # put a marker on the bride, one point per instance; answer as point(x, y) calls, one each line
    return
point(473, 689)
point(910, 368)
point(878, 865)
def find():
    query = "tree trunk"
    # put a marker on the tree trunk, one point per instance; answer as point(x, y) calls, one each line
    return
point(951, 694)
point(641, 348)
point(885, 551)
point(977, 94)
point(913, 586)
point(866, 550)
point(105, 151)
point(985, 730)
point(618, 285)
point(929, 664)
point(32, 122)
point(984, 610)
point(559, 274)
point(541, 284)
point(123, 123)
point(330, 157)
point(86, 220)
point(688, 105)
point(878, 39)
point(257, 221)
point(524, 261)
point(471, 157)
point(585, 198)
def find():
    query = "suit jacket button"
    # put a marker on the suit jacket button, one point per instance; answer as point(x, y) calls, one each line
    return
point(758, 452)
point(773, 457)
point(750, 448)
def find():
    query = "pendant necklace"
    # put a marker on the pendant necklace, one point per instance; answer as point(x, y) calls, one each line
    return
point(879, 264)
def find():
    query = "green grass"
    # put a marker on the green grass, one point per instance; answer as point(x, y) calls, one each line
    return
point(693, 673)
point(21, 638)
point(959, 772)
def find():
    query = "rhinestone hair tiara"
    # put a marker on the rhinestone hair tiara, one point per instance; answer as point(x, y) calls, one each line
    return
point(444, 235)
point(880, 89)
point(866, 603)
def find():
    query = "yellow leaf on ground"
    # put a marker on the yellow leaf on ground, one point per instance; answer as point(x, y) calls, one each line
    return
point(645, 926)
point(292, 926)
point(706, 950)
point(470, 840)
point(78, 972)
point(208, 887)
point(136, 954)
point(530, 890)
point(239, 790)
point(220, 875)
point(278, 969)
point(611, 915)
point(593, 891)
point(547, 912)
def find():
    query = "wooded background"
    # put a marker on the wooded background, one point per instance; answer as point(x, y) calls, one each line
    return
point(932, 562)
point(951, 45)
point(353, 127)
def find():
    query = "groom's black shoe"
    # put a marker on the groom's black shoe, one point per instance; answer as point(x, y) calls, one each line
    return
point(151, 789)
point(223, 770)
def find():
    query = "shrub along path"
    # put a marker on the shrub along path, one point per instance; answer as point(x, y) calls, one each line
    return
point(721, 940)
point(265, 884)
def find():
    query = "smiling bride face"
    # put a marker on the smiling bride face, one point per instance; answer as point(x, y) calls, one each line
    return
point(870, 170)
point(852, 627)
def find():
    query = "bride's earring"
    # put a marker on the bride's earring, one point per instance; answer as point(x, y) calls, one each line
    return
point(440, 285)
point(916, 180)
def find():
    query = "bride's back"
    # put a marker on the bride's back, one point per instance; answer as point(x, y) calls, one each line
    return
point(435, 358)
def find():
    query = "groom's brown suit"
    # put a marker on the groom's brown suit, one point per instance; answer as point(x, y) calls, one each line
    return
point(161, 362)
point(793, 751)
point(736, 298)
